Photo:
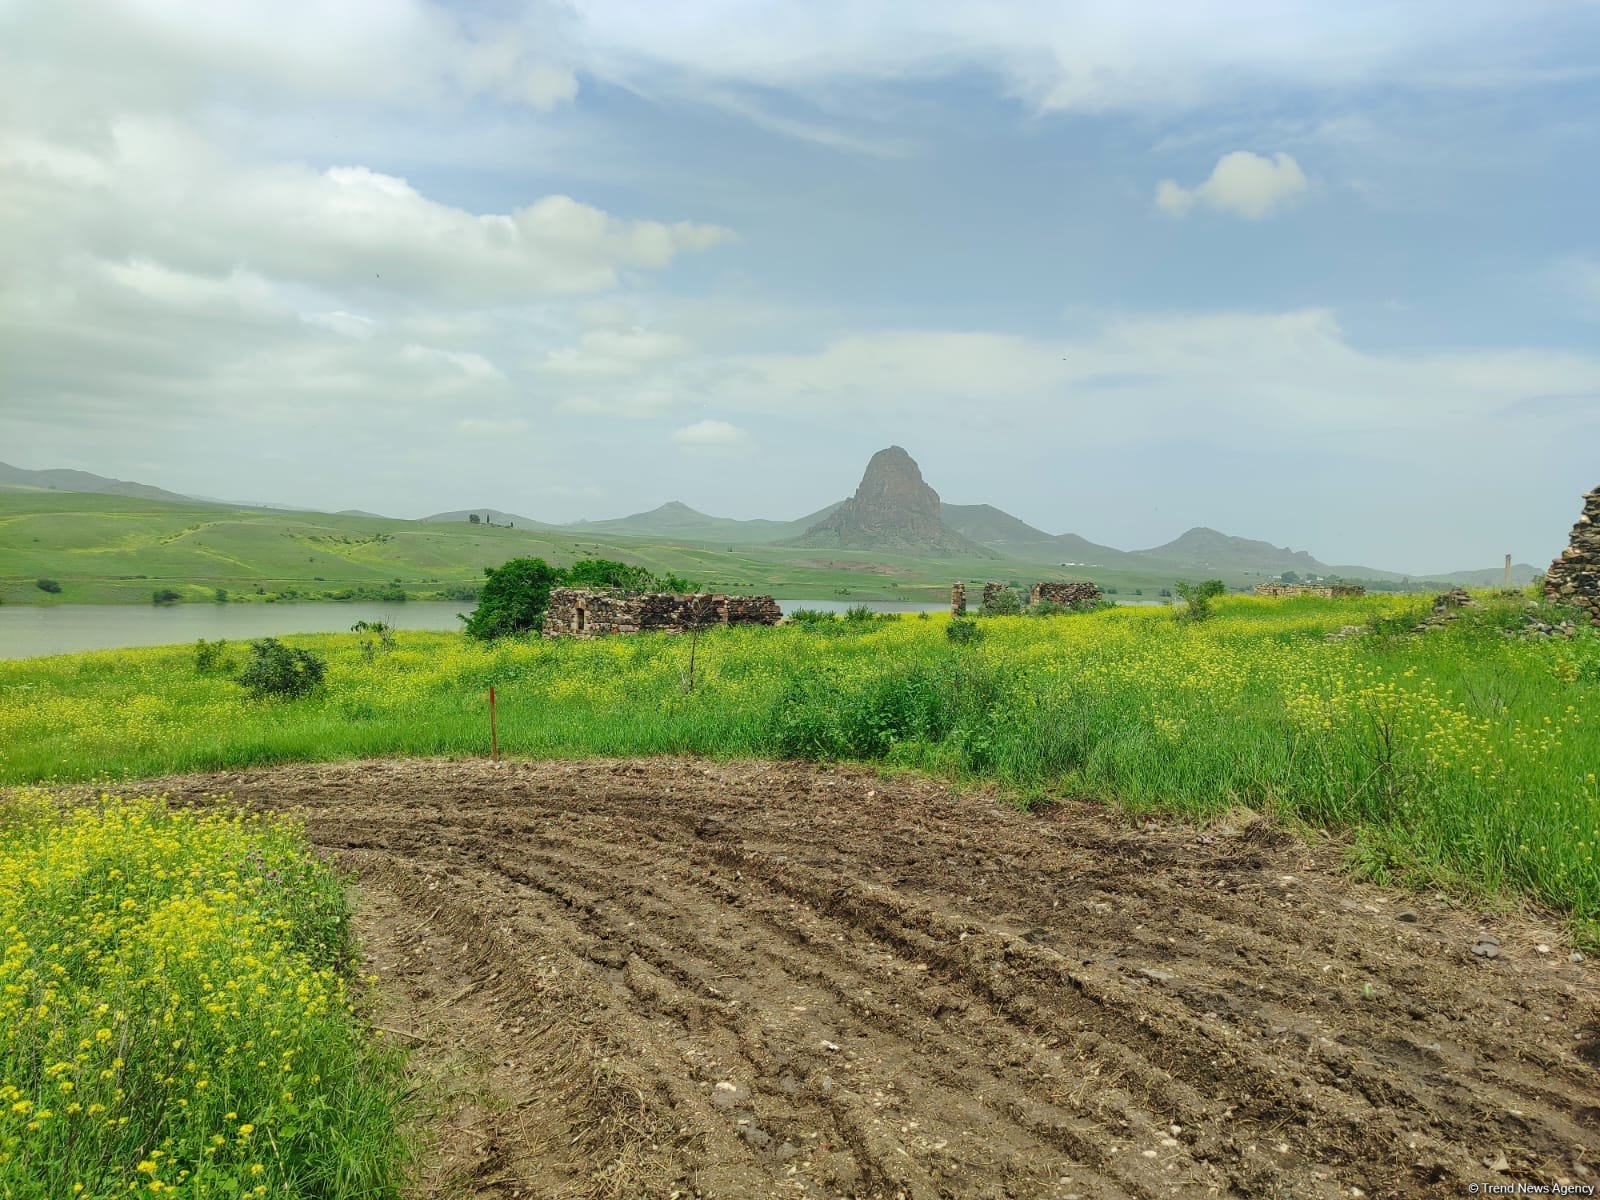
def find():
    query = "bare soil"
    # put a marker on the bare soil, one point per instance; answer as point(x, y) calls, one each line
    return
point(677, 978)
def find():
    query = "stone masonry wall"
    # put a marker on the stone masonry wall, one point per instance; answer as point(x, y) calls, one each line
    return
point(1574, 578)
point(1068, 595)
point(958, 600)
point(587, 613)
point(1325, 591)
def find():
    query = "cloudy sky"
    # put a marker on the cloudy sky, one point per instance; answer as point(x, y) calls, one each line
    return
point(1323, 273)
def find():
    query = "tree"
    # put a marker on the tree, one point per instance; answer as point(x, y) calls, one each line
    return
point(1198, 598)
point(165, 596)
point(1289, 577)
point(514, 598)
point(473, 518)
point(47, 585)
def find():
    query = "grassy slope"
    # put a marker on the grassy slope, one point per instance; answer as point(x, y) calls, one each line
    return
point(110, 549)
point(1459, 755)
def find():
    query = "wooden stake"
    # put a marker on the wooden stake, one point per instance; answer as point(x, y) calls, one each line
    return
point(494, 731)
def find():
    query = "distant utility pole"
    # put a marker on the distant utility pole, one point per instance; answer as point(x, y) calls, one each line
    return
point(1508, 573)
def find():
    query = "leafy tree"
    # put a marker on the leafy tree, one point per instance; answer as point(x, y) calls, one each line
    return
point(1198, 598)
point(165, 596)
point(278, 670)
point(514, 598)
point(1289, 577)
point(47, 585)
point(473, 518)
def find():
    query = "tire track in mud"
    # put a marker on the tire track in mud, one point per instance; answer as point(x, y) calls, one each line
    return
point(662, 977)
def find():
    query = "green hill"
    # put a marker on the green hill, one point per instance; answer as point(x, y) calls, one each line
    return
point(109, 549)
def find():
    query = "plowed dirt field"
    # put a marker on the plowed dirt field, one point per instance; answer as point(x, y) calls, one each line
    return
point(676, 978)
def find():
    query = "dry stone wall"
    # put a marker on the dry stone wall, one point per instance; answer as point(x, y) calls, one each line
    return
point(588, 613)
point(1325, 591)
point(1574, 578)
point(958, 600)
point(1068, 595)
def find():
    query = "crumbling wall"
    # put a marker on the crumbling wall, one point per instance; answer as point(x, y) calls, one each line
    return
point(1068, 595)
point(1574, 578)
point(1325, 591)
point(587, 613)
point(990, 591)
point(958, 600)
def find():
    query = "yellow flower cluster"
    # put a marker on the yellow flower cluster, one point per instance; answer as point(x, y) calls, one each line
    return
point(167, 997)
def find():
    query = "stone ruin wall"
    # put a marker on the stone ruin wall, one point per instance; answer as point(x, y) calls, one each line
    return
point(1574, 578)
point(588, 613)
point(1069, 595)
point(1324, 591)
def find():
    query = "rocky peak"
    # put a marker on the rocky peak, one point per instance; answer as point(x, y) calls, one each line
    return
point(893, 508)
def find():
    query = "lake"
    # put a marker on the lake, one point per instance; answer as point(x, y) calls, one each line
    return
point(29, 631)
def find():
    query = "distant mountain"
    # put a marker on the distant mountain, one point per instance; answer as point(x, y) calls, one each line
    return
point(892, 509)
point(360, 512)
point(678, 521)
point(65, 480)
point(492, 515)
point(1202, 547)
point(1521, 576)
point(1015, 538)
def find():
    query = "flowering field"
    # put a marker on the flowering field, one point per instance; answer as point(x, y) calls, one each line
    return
point(1461, 755)
point(173, 1019)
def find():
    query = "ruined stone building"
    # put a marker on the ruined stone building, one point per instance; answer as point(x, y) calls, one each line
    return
point(587, 613)
point(1574, 578)
point(1323, 591)
point(1068, 595)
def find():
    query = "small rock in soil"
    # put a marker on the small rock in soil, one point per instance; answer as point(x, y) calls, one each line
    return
point(729, 1095)
point(1406, 914)
point(1486, 949)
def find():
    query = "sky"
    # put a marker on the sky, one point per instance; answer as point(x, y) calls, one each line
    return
point(1322, 274)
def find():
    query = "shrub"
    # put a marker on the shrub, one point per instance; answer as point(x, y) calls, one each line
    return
point(858, 612)
point(47, 585)
point(962, 631)
point(1004, 603)
point(278, 670)
point(810, 617)
point(1197, 598)
point(209, 656)
point(515, 596)
point(165, 596)
point(1048, 608)
point(220, 595)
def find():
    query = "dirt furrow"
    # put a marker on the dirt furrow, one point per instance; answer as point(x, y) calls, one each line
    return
point(671, 977)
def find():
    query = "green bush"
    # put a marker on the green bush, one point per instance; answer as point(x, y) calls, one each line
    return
point(210, 657)
point(1197, 598)
point(858, 612)
point(283, 671)
point(515, 596)
point(810, 617)
point(47, 585)
point(1004, 603)
point(962, 631)
point(165, 596)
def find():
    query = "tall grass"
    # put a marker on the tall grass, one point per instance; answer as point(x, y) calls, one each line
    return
point(1461, 752)
point(173, 1017)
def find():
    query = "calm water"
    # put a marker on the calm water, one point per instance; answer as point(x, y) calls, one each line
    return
point(27, 632)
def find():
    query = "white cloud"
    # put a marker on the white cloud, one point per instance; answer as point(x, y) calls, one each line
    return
point(1067, 55)
point(162, 193)
point(1245, 184)
point(492, 426)
point(710, 435)
point(1264, 377)
point(613, 352)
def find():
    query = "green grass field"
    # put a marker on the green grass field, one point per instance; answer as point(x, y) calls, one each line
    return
point(1464, 755)
point(114, 549)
